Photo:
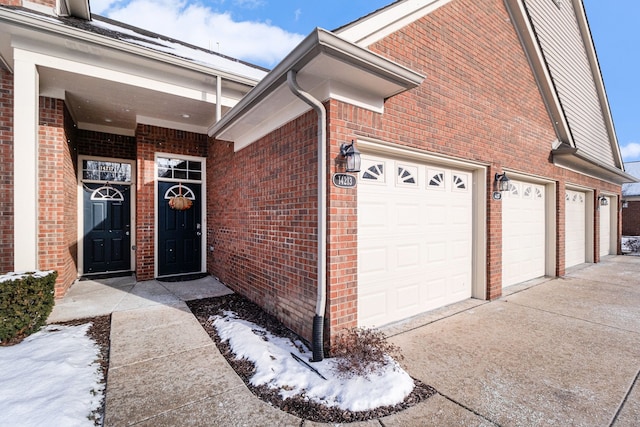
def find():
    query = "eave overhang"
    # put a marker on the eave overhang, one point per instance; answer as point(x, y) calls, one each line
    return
point(572, 158)
point(327, 66)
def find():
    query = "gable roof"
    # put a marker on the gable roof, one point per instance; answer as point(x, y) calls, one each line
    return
point(558, 44)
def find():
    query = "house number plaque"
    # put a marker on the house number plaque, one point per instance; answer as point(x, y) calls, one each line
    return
point(344, 180)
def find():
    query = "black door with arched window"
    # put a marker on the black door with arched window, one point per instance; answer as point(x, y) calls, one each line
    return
point(179, 228)
point(107, 228)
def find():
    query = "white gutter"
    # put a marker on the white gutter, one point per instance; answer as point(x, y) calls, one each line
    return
point(317, 342)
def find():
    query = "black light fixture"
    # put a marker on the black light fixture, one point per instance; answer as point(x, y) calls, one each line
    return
point(625, 204)
point(502, 181)
point(603, 200)
point(352, 156)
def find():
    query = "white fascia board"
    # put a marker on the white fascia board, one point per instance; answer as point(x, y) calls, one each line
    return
point(105, 129)
point(77, 67)
point(585, 31)
point(170, 125)
point(377, 26)
point(533, 51)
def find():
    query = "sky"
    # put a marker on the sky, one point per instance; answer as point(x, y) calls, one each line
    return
point(264, 31)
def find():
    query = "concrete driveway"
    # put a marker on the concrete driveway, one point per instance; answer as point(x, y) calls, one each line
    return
point(565, 352)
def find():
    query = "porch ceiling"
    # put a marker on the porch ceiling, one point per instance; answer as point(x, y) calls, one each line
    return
point(117, 107)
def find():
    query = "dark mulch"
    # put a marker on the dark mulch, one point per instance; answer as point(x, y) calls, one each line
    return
point(298, 406)
point(99, 331)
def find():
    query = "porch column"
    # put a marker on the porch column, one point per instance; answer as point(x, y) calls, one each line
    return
point(25, 159)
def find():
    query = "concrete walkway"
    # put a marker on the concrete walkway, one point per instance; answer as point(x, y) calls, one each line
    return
point(551, 352)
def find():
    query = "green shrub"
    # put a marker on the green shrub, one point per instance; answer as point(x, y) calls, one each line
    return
point(26, 300)
point(362, 351)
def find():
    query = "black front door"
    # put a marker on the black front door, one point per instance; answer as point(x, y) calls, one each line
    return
point(179, 230)
point(107, 228)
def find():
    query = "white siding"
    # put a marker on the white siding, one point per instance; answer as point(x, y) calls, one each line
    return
point(564, 51)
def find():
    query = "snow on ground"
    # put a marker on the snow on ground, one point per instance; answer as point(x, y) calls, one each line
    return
point(50, 379)
point(630, 244)
point(277, 368)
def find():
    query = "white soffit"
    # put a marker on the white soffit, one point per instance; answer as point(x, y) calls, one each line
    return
point(372, 28)
point(327, 67)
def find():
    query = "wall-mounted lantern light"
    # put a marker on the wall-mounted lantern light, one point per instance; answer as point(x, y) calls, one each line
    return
point(502, 182)
point(352, 156)
point(603, 201)
point(625, 204)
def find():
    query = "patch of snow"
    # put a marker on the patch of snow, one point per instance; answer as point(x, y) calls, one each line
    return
point(52, 378)
point(19, 275)
point(278, 369)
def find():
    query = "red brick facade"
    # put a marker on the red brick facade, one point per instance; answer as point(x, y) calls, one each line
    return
point(480, 102)
point(262, 220)
point(6, 171)
point(631, 219)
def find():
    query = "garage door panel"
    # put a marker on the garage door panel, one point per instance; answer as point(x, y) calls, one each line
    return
point(373, 215)
point(427, 236)
point(373, 260)
point(575, 228)
point(408, 256)
point(523, 233)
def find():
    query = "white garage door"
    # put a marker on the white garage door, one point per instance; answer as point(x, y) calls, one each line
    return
point(523, 233)
point(575, 237)
point(605, 228)
point(414, 239)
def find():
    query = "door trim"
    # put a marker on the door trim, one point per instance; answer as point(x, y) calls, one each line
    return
point(203, 205)
point(80, 208)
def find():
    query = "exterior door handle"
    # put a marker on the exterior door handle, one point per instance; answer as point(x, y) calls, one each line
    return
point(126, 233)
point(198, 233)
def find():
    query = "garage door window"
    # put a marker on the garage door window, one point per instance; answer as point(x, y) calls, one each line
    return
point(374, 172)
point(459, 182)
point(407, 176)
point(436, 179)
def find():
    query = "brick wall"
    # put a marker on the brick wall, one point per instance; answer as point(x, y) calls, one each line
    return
point(631, 219)
point(99, 144)
point(6, 171)
point(57, 237)
point(151, 139)
point(262, 220)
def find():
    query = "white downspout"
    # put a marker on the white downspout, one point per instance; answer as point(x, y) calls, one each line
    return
point(321, 302)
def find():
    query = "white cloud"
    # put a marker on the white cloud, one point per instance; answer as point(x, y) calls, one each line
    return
point(257, 42)
point(297, 14)
point(630, 151)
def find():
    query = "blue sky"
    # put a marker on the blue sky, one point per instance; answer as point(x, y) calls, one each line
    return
point(615, 28)
point(264, 31)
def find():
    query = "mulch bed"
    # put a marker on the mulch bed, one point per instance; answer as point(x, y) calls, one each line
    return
point(297, 406)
